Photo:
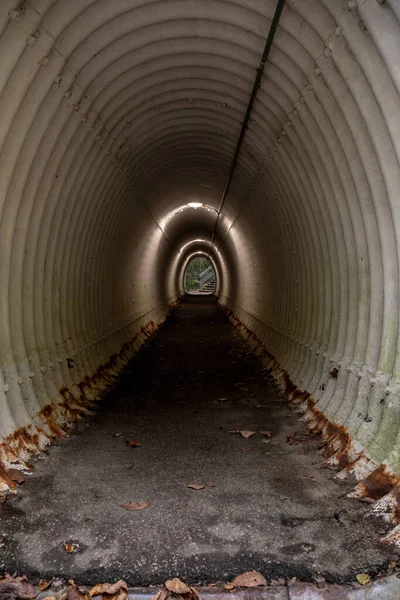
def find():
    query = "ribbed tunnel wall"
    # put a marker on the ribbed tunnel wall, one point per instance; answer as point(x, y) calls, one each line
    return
point(116, 114)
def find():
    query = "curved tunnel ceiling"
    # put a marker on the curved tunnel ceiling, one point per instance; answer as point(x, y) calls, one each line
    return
point(115, 115)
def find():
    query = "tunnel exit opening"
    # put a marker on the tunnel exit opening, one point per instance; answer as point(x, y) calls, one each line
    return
point(199, 276)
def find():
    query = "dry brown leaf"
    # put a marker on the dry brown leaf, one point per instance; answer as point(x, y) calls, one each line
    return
point(291, 439)
point(261, 406)
point(210, 484)
point(222, 399)
point(244, 433)
point(76, 592)
point(161, 595)
point(176, 586)
point(111, 589)
point(308, 476)
point(118, 433)
point(243, 388)
point(71, 548)
point(133, 444)
point(195, 486)
point(98, 589)
point(229, 586)
point(249, 579)
point(115, 588)
point(16, 587)
point(247, 434)
point(141, 505)
point(43, 585)
point(247, 449)
point(266, 433)
point(194, 595)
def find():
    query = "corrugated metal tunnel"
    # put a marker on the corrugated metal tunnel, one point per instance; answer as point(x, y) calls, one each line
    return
point(116, 116)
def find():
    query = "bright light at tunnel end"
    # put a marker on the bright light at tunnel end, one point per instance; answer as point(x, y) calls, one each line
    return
point(195, 204)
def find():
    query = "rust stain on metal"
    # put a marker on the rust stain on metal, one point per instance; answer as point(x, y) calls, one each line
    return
point(379, 483)
point(339, 450)
point(55, 419)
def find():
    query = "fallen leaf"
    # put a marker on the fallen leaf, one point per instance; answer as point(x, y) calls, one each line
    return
point(110, 589)
point(261, 406)
point(194, 595)
point(194, 486)
point(308, 476)
point(118, 433)
point(291, 439)
point(49, 598)
point(229, 586)
point(161, 595)
point(71, 548)
point(222, 399)
point(76, 592)
point(141, 505)
point(176, 586)
point(243, 388)
point(266, 433)
point(247, 434)
point(244, 433)
point(266, 440)
point(247, 449)
point(249, 579)
point(43, 585)
point(210, 484)
point(18, 588)
point(133, 444)
point(362, 578)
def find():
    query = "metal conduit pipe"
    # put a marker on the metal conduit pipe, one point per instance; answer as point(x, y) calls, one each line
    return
point(116, 116)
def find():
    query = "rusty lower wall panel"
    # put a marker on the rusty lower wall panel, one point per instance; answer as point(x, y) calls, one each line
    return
point(55, 419)
point(377, 484)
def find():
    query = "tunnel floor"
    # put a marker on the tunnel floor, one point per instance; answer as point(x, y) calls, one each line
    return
point(272, 507)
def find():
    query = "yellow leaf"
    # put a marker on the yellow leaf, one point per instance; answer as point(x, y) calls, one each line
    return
point(362, 578)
